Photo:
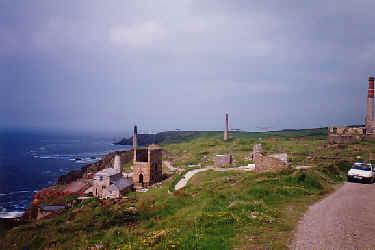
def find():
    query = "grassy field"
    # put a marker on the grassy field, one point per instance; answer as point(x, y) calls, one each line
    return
point(216, 210)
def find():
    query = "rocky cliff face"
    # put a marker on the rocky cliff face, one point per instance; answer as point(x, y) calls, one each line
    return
point(105, 162)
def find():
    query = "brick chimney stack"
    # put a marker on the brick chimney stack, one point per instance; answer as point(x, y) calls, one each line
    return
point(370, 99)
point(226, 137)
point(370, 106)
point(135, 143)
point(135, 137)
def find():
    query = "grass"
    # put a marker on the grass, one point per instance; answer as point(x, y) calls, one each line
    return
point(216, 210)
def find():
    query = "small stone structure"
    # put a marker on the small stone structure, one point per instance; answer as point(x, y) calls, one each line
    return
point(257, 148)
point(223, 160)
point(343, 135)
point(110, 183)
point(117, 163)
point(271, 163)
point(147, 164)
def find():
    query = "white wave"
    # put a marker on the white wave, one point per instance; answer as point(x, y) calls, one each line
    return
point(20, 191)
point(46, 157)
point(10, 215)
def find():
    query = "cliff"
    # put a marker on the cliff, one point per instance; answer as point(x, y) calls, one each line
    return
point(167, 137)
point(88, 170)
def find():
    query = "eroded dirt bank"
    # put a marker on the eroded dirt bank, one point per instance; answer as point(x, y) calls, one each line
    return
point(343, 220)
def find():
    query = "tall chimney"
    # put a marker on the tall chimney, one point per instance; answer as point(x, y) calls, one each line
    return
point(135, 144)
point(226, 127)
point(370, 100)
point(135, 137)
point(370, 107)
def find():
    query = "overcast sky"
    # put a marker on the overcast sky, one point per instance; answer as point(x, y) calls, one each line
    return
point(107, 65)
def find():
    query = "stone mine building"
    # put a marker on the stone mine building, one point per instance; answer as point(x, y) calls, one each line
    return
point(353, 134)
point(110, 183)
point(223, 160)
point(147, 164)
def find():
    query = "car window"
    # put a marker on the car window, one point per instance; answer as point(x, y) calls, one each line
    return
point(364, 167)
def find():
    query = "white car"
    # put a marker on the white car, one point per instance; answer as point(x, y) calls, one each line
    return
point(362, 172)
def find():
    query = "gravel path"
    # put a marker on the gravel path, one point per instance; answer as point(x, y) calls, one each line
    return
point(182, 183)
point(343, 220)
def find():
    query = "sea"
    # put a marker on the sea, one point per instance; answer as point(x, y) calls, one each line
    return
point(30, 161)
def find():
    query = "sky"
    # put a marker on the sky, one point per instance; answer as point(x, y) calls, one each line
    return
point(104, 66)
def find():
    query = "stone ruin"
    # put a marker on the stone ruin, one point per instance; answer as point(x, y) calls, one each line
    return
point(344, 135)
point(274, 162)
point(147, 164)
point(223, 160)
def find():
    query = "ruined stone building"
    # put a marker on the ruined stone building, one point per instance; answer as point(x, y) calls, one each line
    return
point(223, 160)
point(110, 183)
point(147, 164)
point(353, 134)
point(342, 135)
point(273, 163)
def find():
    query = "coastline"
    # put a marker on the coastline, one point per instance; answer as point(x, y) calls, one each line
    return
point(83, 172)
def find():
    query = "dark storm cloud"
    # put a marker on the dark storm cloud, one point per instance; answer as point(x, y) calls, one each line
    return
point(183, 64)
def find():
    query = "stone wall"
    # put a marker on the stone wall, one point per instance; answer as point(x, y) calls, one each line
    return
point(343, 139)
point(345, 135)
point(268, 163)
point(156, 165)
point(282, 157)
point(151, 170)
point(223, 160)
point(142, 155)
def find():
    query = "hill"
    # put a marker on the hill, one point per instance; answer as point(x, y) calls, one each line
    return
point(216, 210)
point(182, 136)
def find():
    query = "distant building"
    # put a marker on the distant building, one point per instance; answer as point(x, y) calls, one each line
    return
point(342, 135)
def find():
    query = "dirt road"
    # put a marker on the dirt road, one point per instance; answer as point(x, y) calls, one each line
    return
point(343, 220)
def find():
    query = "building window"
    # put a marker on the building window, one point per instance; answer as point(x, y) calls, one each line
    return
point(100, 178)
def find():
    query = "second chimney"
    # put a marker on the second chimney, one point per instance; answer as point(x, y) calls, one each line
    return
point(370, 100)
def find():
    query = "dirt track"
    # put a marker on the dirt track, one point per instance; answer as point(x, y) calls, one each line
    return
point(343, 220)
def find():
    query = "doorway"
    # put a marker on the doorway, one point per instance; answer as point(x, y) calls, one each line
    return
point(141, 179)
